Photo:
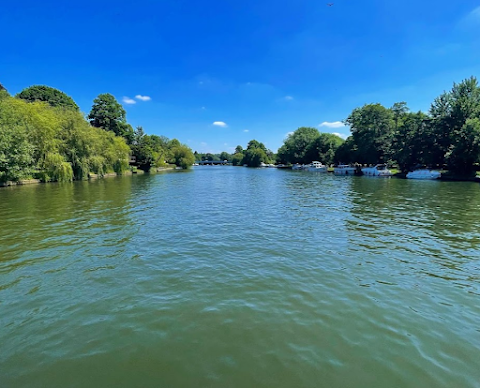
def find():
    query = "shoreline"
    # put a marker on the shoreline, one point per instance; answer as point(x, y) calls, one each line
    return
point(91, 177)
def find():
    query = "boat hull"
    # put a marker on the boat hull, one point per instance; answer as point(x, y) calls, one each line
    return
point(424, 175)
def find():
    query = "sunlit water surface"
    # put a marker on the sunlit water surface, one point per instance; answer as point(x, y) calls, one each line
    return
point(237, 277)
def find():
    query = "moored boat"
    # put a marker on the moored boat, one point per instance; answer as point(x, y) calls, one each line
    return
point(317, 167)
point(424, 173)
point(344, 169)
point(380, 170)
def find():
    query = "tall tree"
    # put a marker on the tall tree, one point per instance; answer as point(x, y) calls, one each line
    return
point(255, 154)
point(54, 97)
point(372, 128)
point(324, 147)
point(108, 114)
point(295, 146)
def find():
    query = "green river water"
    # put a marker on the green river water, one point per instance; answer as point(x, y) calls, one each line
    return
point(237, 277)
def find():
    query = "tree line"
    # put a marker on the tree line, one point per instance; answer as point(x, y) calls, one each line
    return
point(44, 135)
point(447, 137)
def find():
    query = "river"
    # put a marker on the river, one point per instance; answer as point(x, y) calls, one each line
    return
point(238, 277)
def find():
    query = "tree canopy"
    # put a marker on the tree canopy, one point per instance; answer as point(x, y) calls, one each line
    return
point(108, 114)
point(52, 96)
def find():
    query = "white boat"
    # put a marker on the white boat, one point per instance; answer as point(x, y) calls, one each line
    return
point(378, 170)
point(317, 167)
point(263, 164)
point(344, 169)
point(424, 173)
point(297, 166)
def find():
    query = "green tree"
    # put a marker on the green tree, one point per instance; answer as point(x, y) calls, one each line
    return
point(295, 146)
point(255, 154)
point(225, 156)
point(16, 149)
point(238, 149)
point(347, 152)
point(465, 150)
point(182, 156)
point(52, 96)
point(323, 148)
point(108, 114)
point(372, 128)
point(237, 159)
point(413, 142)
point(450, 112)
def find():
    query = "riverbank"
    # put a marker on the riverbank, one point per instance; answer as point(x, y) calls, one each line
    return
point(91, 176)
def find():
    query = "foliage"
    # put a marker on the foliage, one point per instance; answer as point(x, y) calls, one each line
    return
point(255, 154)
point(57, 143)
point(324, 148)
point(16, 149)
point(372, 128)
point(55, 168)
point(149, 151)
point(52, 96)
point(295, 147)
point(182, 156)
point(237, 159)
point(225, 156)
point(108, 114)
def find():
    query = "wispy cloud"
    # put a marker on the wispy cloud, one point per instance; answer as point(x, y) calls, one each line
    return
point(288, 134)
point(142, 98)
point(128, 100)
point(246, 130)
point(220, 124)
point(288, 98)
point(203, 108)
point(334, 124)
point(474, 15)
point(471, 19)
point(340, 135)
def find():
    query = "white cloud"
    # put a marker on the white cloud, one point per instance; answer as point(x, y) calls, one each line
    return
point(340, 135)
point(203, 108)
point(288, 98)
point(142, 98)
point(128, 100)
point(246, 130)
point(220, 124)
point(203, 144)
point(334, 124)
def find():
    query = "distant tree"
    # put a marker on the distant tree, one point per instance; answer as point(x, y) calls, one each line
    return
point(237, 159)
point(108, 114)
point(465, 149)
point(324, 147)
point(372, 128)
point(2, 87)
point(450, 113)
point(399, 110)
point(347, 151)
point(255, 154)
point(54, 97)
point(182, 156)
point(225, 156)
point(413, 143)
point(239, 149)
point(294, 148)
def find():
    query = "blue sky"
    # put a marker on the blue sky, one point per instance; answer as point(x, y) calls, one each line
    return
point(215, 74)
